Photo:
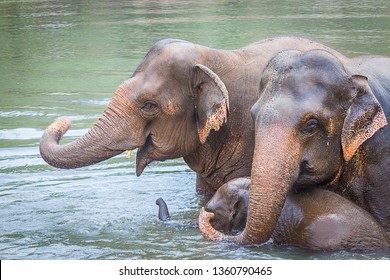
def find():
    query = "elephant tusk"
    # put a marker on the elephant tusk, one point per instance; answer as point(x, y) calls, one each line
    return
point(128, 154)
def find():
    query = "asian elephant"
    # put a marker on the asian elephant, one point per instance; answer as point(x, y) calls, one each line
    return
point(319, 123)
point(183, 100)
point(314, 219)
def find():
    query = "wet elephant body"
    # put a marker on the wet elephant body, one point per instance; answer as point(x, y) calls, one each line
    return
point(366, 176)
point(320, 219)
point(314, 219)
point(319, 122)
point(183, 100)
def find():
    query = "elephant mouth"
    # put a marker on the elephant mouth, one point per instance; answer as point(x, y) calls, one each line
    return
point(152, 150)
point(143, 156)
point(308, 176)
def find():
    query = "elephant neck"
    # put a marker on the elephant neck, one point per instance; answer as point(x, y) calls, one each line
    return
point(223, 157)
point(228, 152)
point(351, 175)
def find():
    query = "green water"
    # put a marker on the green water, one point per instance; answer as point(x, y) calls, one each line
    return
point(67, 57)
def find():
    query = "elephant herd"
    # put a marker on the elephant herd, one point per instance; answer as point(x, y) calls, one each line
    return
point(288, 136)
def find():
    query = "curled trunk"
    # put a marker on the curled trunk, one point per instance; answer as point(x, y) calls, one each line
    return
point(275, 169)
point(108, 137)
point(87, 150)
point(105, 139)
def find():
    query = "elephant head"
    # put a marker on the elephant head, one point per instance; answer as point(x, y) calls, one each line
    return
point(229, 205)
point(311, 118)
point(166, 109)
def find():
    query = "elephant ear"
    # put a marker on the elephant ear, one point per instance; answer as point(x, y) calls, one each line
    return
point(212, 102)
point(365, 116)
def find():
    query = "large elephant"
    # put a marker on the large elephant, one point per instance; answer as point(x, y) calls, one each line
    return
point(319, 123)
point(314, 219)
point(176, 104)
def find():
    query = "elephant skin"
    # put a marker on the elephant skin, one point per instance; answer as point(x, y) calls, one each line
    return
point(163, 213)
point(314, 219)
point(183, 100)
point(319, 123)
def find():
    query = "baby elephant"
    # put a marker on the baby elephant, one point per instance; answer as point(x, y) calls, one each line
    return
point(314, 219)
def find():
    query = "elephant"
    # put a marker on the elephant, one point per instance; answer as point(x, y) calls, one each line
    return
point(319, 123)
point(314, 219)
point(186, 101)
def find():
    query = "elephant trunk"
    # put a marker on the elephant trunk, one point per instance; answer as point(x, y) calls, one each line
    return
point(275, 168)
point(163, 213)
point(104, 140)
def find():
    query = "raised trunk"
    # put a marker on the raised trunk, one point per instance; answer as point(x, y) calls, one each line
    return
point(163, 213)
point(107, 138)
point(275, 169)
point(85, 151)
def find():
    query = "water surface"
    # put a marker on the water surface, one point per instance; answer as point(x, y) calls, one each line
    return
point(67, 57)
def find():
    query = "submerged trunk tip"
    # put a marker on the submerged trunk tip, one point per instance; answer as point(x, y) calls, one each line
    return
point(211, 233)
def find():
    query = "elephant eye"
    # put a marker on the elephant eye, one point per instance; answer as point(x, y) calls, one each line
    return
point(149, 107)
point(311, 126)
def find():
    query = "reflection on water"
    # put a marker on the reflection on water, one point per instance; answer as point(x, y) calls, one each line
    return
point(64, 58)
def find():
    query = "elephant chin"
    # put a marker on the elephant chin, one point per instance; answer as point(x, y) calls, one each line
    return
point(144, 156)
point(142, 161)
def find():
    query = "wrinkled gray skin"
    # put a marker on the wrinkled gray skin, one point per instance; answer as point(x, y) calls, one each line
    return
point(164, 216)
point(319, 123)
point(313, 219)
point(183, 100)
point(163, 213)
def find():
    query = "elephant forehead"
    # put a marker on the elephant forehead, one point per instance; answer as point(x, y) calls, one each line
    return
point(298, 84)
point(317, 92)
point(165, 78)
point(276, 108)
point(145, 87)
point(169, 61)
point(217, 202)
point(304, 80)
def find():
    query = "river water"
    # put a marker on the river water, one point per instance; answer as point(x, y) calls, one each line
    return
point(67, 57)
